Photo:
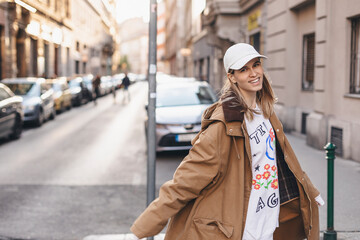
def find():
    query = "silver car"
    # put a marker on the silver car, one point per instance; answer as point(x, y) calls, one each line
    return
point(179, 106)
point(38, 100)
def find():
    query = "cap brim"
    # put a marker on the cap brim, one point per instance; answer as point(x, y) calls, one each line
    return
point(241, 62)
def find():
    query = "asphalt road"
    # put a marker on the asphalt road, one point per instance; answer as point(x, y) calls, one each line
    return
point(83, 173)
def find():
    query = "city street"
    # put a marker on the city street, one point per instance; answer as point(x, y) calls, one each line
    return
point(84, 174)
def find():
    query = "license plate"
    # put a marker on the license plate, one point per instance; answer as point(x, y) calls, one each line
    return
point(185, 137)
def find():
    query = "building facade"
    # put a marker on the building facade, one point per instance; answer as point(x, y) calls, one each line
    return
point(161, 37)
point(53, 38)
point(223, 24)
point(134, 44)
point(313, 48)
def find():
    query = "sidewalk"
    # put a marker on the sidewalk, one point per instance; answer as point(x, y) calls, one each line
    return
point(346, 187)
point(313, 162)
point(127, 236)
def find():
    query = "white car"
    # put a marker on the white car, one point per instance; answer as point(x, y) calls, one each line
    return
point(179, 106)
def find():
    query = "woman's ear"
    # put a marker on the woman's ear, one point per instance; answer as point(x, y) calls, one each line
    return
point(231, 77)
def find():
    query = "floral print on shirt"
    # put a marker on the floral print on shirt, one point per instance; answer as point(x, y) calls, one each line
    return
point(266, 178)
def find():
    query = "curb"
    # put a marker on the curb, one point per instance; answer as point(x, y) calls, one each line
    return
point(127, 236)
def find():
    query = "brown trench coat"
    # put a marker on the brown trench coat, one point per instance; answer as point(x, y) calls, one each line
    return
point(209, 194)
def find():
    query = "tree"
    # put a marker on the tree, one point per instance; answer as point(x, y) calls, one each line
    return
point(124, 64)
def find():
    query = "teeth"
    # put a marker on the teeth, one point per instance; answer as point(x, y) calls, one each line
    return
point(255, 81)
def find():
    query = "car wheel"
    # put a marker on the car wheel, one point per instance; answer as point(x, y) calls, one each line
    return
point(62, 108)
point(69, 106)
point(17, 129)
point(53, 114)
point(40, 119)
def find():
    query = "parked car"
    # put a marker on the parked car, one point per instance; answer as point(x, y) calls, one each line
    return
point(88, 81)
point(106, 85)
point(179, 106)
point(38, 98)
point(80, 94)
point(117, 80)
point(62, 94)
point(11, 113)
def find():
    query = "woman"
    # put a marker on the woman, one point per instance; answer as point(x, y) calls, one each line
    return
point(241, 179)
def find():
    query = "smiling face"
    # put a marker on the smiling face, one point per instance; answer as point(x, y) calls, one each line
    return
point(249, 78)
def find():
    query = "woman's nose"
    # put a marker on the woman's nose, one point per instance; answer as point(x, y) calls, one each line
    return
point(252, 72)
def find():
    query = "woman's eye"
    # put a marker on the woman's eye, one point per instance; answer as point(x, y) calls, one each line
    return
point(242, 70)
point(257, 64)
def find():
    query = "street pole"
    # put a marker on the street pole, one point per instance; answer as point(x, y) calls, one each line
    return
point(330, 233)
point(151, 141)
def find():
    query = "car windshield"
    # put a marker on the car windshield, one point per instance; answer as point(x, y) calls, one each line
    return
point(74, 83)
point(183, 96)
point(23, 89)
point(56, 87)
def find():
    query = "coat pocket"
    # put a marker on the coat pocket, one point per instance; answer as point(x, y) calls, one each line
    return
point(212, 229)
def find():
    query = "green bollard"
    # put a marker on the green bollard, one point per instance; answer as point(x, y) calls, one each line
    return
point(330, 233)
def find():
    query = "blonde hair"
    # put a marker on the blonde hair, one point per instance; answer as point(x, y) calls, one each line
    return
point(265, 98)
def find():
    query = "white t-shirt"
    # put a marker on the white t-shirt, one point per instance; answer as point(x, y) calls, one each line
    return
point(263, 209)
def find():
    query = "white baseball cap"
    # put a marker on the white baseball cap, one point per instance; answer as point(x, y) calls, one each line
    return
point(238, 55)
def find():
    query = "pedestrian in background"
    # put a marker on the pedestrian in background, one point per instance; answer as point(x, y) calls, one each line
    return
point(241, 179)
point(96, 88)
point(125, 85)
point(113, 90)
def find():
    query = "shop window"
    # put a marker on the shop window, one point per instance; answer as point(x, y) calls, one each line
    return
point(308, 65)
point(355, 56)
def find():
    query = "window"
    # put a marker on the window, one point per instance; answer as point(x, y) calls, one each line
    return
point(3, 94)
point(67, 8)
point(77, 66)
point(77, 46)
point(355, 56)
point(308, 65)
point(34, 56)
point(255, 41)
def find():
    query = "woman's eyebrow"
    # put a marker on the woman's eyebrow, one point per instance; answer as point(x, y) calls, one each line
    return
point(244, 67)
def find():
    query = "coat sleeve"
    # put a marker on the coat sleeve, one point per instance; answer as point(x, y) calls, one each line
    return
point(195, 172)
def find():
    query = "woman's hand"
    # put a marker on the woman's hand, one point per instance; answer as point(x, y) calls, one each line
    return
point(319, 200)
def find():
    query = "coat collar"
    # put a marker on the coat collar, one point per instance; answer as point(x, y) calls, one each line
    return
point(227, 113)
point(232, 113)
